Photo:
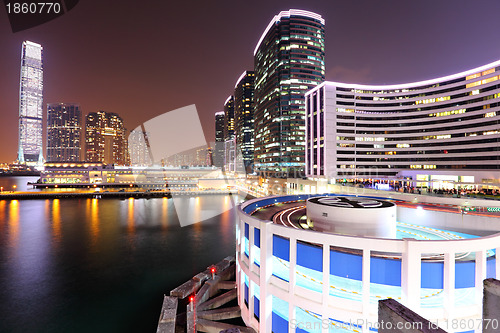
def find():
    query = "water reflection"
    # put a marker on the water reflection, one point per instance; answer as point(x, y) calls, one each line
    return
point(164, 213)
point(17, 183)
point(93, 206)
point(56, 220)
point(130, 219)
point(53, 283)
point(13, 223)
point(2, 212)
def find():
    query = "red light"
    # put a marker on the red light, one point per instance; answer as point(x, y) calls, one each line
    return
point(212, 270)
point(191, 299)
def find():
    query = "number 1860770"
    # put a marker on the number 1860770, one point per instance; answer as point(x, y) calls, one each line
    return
point(33, 7)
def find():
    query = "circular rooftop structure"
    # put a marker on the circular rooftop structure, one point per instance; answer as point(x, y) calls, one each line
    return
point(352, 216)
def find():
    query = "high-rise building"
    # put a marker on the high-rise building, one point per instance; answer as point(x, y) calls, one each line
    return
point(203, 156)
point(289, 60)
point(229, 137)
point(105, 138)
point(218, 152)
point(139, 149)
point(30, 150)
point(229, 118)
point(63, 132)
point(243, 117)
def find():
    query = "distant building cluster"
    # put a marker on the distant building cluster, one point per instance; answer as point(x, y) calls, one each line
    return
point(284, 121)
point(194, 157)
point(264, 119)
point(97, 137)
point(101, 138)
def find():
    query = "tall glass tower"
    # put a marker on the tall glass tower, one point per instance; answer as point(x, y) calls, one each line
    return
point(229, 138)
point(63, 132)
point(289, 60)
point(218, 153)
point(30, 149)
point(243, 117)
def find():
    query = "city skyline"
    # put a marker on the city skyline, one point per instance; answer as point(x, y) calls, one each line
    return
point(388, 44)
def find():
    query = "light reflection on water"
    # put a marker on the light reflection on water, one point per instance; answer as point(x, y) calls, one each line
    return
point(13, 223)
point(92, 265)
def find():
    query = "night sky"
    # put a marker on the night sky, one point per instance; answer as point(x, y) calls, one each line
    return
point(143, 58)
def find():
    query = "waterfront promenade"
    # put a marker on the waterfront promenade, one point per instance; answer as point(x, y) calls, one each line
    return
point(116, 194)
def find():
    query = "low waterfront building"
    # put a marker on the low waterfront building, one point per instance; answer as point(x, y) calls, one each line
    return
point(97, 174)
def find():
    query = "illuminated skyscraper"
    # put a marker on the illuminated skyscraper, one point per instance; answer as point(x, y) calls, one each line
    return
point(105, 138)
point(218, 152)
point(63, 132)
point(243, 117)
point(229, 118)
point(229, 138)
point(30, 149)
point(289, 60)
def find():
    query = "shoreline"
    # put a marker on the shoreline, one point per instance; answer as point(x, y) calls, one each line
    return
point(107, 194)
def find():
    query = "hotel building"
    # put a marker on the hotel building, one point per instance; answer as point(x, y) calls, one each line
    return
point(105, 138)
point(63, 132)
point(443, 132)
point(244, 117)
point(30, 150)
point(289, 60)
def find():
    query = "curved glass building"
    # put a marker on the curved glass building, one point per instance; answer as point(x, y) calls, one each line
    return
point(289, 60)
point(444, 130)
